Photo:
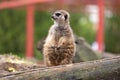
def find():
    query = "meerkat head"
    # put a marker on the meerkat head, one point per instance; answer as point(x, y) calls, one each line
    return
point(60, 17)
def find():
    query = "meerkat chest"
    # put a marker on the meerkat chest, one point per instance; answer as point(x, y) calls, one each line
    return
point(60, 31)
point(56, 33)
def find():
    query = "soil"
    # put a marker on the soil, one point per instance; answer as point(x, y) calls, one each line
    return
point(12, 63)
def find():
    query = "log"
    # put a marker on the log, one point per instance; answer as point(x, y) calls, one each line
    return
point(104, 69)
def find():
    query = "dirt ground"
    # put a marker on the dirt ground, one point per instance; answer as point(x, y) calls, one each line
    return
point(11, 63)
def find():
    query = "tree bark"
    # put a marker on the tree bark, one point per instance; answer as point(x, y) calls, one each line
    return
point(105, 69)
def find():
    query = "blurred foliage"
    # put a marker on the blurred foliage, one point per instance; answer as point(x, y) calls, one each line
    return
point(112, 35)
point(12, 31)
point(82, 26)
point(42, 24)
point(13, 23)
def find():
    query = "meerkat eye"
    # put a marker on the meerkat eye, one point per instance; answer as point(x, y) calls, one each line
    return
point(66, 17)
point(57, 14)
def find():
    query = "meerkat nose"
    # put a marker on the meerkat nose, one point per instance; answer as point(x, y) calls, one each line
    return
point(52, 17)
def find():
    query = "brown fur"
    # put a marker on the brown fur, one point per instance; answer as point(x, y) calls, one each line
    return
point(59, 47)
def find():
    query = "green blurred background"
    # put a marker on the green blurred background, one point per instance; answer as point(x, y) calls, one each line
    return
point(13, 30)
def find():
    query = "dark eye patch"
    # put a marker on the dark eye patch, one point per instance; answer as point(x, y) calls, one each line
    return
point(66, 17)
point(57, 14)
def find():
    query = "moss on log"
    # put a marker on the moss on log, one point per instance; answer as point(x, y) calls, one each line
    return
point(105, 69)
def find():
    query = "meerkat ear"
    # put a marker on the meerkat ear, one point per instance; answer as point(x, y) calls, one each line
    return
point(66, 17)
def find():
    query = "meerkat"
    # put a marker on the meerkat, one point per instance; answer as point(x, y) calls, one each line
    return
point(59, 47)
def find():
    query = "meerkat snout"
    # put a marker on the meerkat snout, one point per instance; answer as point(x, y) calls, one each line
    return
point(56, 16)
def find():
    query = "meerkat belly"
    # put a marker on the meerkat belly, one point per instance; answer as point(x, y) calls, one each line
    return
point(62, 50)
point(58, 55)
